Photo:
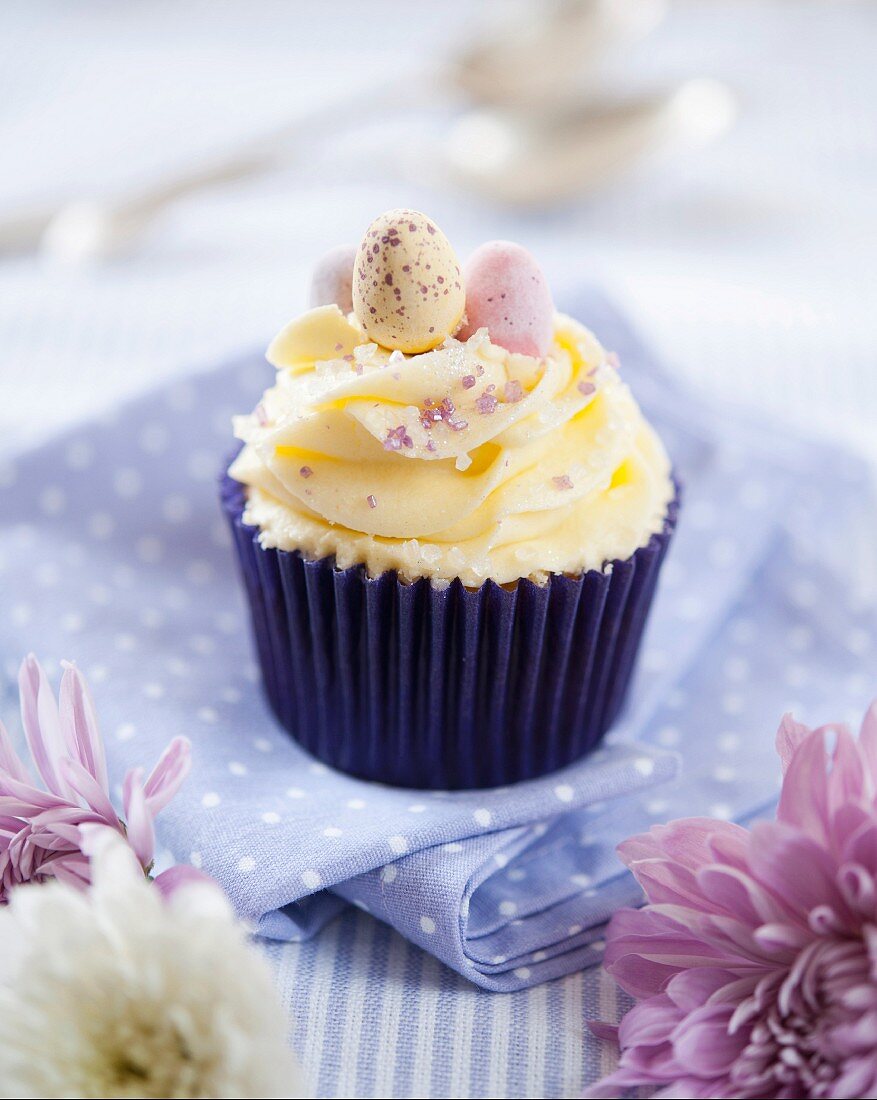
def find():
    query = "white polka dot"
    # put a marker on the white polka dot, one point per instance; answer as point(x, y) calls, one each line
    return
point(722, 553)
point(237, 768)
point(207, 714)
point(201, 466)
point(724, 773)
point(317, 769)
point(355, 804)
point(261, 744)
point(100, 594)
point(199, 572)
point(311, 880)
point(804, 593)
point(398, 844)
point(796, 676)
point(753, 494)
point(154, 438)
point(500, 859)
point(427, 925)
point(644, 765)
point(539, 956)
point(21, 614)
point(517, 875)
point(657, 806)
point(195, 859)
point(98, 673)
point(100, 525)
point(582, 881)
point(733, 703)
point(52, 501)
point(295, 792)
point(153, 690)
point(271, 818)
point(508, 908)
point(150, 549)
point(125, 643)
point(722, 811)
point(151, 618)
point(689, 608)
point(125, 732)
point(210, 800)
point(454, 846)
point(127, 483)
point(226, 623)
point(800, 638)
point(522, 972)
point(246, 863)
point(177, 667)
point(333, 831)
point(482, 816)
point(564, 792)
point(417, 808)
point(540, 828)
point(176, 508)
point(388, 873)
point(858, 641)
point(574, 930)
point(743, 631)
point(598, 945)
point(736, 668)
point(729, 742)
point(47, 574)
point(669, 735)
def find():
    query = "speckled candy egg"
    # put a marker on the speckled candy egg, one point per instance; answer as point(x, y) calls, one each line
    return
point(507, 293)
point(332, 281)
point(407, 288)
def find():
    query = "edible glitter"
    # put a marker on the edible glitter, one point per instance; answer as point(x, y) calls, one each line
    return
point(372, 500)
point(443, 413)
point(513, 391)
point(305, 471)
point(397, 438)
point(562, 482)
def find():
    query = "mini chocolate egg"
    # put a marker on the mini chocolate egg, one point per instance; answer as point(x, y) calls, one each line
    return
point(507, 293)
point(407, 287)
point(332, 280)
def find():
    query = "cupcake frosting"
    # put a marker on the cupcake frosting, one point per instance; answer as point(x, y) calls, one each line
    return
point(464, 461)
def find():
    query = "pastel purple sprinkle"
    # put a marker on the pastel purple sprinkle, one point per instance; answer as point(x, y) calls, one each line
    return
point(486, 404)
point(397, 438)
point(587, 388)
point(468, 381)
point(372, 500)
point(513, 391)
point(562, 482)
point(305, 471)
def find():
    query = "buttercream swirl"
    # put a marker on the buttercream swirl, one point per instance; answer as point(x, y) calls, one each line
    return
point(465, 461)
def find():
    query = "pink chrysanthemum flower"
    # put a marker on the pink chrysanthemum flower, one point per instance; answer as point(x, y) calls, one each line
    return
point(755, 961)
point(40, 829)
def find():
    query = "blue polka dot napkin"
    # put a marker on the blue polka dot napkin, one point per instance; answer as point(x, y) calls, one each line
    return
point(113, 553)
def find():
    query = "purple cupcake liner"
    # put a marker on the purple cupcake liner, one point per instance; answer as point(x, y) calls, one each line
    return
point(443, 688)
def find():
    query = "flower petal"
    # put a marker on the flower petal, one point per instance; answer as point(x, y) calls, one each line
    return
point(168, 774)
point(79, 725)
point(138, 819)
point(42, 724)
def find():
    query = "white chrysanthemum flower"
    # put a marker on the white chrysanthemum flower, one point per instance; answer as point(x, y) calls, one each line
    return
point(121, 992)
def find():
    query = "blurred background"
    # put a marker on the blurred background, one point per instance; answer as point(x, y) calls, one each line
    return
point(170, 171)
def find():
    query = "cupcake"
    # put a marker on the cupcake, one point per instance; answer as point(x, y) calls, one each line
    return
point(449, 514)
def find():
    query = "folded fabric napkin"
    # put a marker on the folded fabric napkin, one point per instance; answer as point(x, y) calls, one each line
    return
point(113, 553)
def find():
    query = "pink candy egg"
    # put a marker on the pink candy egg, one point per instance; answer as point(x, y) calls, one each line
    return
point(507, 293)
point(332, 280)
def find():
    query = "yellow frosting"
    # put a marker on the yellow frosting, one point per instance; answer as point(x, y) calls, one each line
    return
point(465, 461)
